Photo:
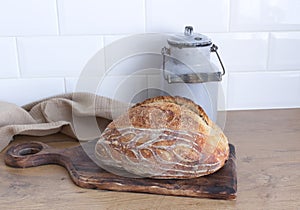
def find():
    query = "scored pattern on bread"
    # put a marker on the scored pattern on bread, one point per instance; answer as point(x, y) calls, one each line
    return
point(163, 137)
point(158, 153)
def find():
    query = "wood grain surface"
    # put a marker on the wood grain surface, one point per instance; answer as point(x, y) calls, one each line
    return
point(81, 164)
point(268, 167)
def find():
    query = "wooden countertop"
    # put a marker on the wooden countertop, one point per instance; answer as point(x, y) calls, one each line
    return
point(268, 167)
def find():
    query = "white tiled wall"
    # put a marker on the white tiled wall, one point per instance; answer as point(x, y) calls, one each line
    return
point(28, 18)
point(44, 45)
point(101, 16)
point(284, 51)
point(243, 51)
point(20, 91)
point(8, 58)
point(253, 90)
point(172, 16)
point(56, 56)
point(264, 15)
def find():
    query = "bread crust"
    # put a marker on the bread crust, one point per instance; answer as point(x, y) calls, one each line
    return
point(182, 101)
point(164, 137)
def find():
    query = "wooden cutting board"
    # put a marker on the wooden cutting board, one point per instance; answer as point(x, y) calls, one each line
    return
point(87, 174)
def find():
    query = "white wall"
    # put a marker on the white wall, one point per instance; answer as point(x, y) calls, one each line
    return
point(45, 44)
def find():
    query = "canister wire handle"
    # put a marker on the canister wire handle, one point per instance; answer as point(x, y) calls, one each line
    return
point(193, 78)
point(214, 48)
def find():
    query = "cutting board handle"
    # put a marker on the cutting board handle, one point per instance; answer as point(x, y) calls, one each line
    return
point(33, 154)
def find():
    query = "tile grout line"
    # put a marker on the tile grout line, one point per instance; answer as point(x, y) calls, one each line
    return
point(57, 18)
point(18, 57)
point(145, 15)
point(65, 84)
point(125, 34)
point(268, 53)
point(227, 107)
point(229, 16)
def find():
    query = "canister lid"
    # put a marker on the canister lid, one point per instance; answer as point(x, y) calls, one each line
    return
point(189, 39)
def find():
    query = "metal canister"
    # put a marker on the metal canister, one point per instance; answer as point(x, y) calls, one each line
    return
point(188, 70)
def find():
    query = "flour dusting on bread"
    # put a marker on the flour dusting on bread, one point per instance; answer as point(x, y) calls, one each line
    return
point(163, 137)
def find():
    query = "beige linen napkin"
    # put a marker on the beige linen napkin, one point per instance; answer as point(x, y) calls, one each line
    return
point(79, 115)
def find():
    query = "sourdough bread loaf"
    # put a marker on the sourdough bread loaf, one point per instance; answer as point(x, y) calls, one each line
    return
point(163, 137)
